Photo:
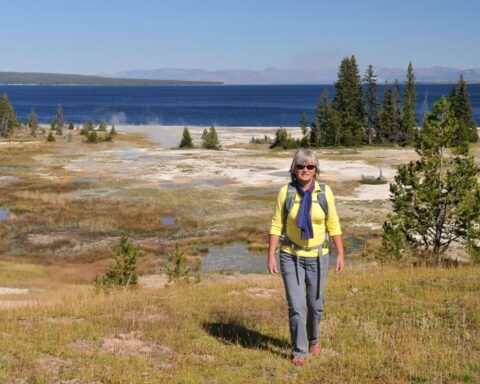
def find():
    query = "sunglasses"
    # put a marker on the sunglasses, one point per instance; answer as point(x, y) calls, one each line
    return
point(303, 166)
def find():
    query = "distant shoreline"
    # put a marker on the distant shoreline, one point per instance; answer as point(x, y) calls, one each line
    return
point(47, 79)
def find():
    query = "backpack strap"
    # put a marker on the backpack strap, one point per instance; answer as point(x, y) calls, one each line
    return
point(290, 202)
point(322, 199)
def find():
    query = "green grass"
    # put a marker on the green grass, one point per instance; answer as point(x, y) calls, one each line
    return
point(402, 325)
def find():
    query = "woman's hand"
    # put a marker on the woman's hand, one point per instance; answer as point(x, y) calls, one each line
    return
point(272, 265)
point(340, 264)
point(337, 240)
point(272, 261)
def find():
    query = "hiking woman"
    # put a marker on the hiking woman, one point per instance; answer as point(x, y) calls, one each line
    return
point(304, 218)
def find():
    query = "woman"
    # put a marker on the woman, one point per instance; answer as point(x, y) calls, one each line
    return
point(304, 214)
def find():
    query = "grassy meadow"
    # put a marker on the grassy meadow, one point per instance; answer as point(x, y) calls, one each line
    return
point(68, 203)
point(382, 324)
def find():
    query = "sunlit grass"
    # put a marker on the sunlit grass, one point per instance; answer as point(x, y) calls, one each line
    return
point(396, 326)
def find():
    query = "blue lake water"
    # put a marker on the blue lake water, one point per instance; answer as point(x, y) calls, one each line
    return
point(229, 105)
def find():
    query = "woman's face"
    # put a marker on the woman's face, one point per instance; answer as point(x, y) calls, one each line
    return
point(303, 174)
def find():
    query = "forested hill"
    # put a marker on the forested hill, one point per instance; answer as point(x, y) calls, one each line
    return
point(26, 78)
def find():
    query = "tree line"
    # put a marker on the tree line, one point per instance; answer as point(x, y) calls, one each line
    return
point(354, 115)
point(9, 124)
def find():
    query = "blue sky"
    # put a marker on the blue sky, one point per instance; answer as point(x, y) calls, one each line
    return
point(106, 36)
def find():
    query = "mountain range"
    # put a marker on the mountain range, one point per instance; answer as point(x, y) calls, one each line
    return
point(288, 76)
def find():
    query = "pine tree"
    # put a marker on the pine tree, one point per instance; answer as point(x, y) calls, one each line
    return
point(348, 102)
point(210, 139)
point(397, 114)
point(387, 115)
point(50, 136)
point(467, 127)
point(371, 105)
point(409, 122)
point(88, 126)
point(92, 137)
point(8, 120)
point(327, 122)
point(436, 200)
point(33, 122)
point(124, 272)
point(186, 139)
point(102, 127)
point(59, 122)
point(305, 142)
point(284, 140)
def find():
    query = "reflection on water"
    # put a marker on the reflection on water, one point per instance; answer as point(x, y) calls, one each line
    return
point(237, 258)
point(4, 213)
point(168, 220)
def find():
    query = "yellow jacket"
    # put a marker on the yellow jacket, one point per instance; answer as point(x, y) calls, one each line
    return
point(318, 222)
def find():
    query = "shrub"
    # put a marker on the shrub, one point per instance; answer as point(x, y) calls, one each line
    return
point(102, 127)
point(123, 273)
point(266, 140)
point(50, 136)
point(373, 180)
point(284, 140)
point(87, 127)
point(92, 137)
point(177, 269)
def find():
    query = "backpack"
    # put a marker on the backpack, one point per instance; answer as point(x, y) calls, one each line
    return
point(290, 202)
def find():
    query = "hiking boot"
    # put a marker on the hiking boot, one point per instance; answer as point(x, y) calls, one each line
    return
point(298, 360)
point(315, 349)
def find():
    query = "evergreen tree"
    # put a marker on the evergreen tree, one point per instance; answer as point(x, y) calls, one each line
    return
point(371, 105)
point(33, 122)
point(50, 136)
point(305, 142)
point(71, 126)
point(284, 140)
point(210, 139)
point(124, 271)
point(314, 133)
point(397, 114)
point(436, 199)
point(102, 127)
point(186, 139)
point(92, 137)
point(387, 116)
point(204, 134)
point(59, 122)
point(327, 122)
point(8, 120)
point(348, 102)
point(88, 126)
point(467, 127)
point(409, 122)
point(113, 132)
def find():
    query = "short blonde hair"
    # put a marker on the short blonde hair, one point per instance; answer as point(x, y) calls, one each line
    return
point(304, 156)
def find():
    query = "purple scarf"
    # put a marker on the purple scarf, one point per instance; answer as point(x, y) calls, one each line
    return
point(304, 217)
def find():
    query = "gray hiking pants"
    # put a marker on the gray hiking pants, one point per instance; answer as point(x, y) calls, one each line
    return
point(304, 289)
